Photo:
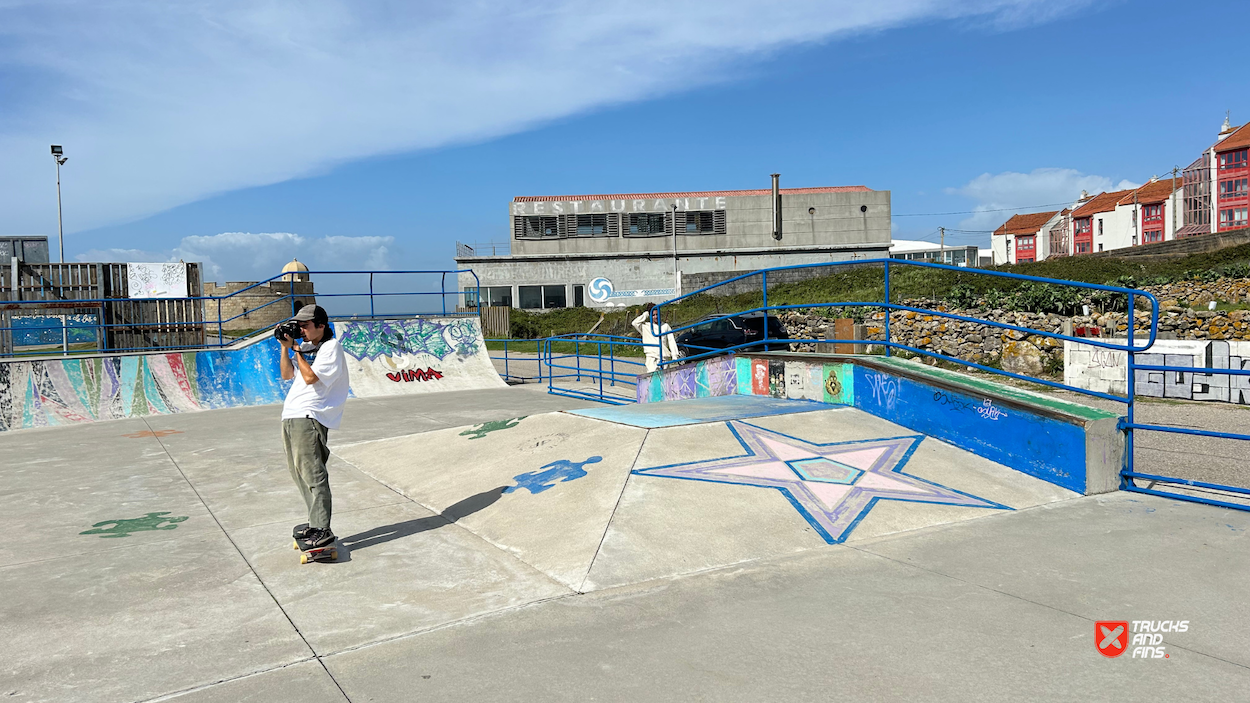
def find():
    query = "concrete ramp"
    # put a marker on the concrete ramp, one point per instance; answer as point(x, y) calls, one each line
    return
point(594, 502)
point(385, 357)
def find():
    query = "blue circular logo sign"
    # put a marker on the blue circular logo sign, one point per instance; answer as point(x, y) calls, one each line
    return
point(600, 290)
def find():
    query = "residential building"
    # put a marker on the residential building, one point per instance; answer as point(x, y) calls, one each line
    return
point(626, 249)
point(1215, 185)
point(1096, 224)
point(1152, 213)
point(1022, 238)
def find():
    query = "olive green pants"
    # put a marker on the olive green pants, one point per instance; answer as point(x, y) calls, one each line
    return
point(307, 451)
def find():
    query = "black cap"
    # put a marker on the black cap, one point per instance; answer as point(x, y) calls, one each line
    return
point(312, 312)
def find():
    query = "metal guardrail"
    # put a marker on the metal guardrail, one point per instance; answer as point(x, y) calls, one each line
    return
point(288, 300)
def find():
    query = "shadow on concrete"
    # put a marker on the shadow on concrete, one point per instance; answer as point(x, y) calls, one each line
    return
point(386, 533)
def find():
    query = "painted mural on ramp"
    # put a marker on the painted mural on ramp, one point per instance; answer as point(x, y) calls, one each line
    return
point(385, 357)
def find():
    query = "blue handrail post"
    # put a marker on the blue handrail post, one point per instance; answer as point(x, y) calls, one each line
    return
point(764, 284)
point(887, 308)
point(612, 360)
point(442, 289)
point(505, 360)
point(577, 354)
point(1131, 391)
point(599, 344)
point(221, 332)
point(371, 313)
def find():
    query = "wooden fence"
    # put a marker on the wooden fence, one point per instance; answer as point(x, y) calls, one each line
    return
point(122, 323)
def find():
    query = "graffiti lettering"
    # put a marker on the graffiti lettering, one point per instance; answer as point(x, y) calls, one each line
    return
point(942, 398)
point(989, 411)
point(1106, 359)
point(884, 390)
point(417, 375)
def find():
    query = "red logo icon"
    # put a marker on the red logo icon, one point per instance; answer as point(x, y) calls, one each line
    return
point(1111, 637)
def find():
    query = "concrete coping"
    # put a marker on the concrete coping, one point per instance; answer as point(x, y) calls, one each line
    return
point(1055, 408)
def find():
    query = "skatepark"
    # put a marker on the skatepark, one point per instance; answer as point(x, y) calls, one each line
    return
point(718, 540)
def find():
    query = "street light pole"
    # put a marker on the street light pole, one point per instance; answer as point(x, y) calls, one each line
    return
point(58, 154)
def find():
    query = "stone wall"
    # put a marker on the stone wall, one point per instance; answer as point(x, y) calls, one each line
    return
point(253, 309)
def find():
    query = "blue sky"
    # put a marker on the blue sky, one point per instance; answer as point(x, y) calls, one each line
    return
point(375, 135)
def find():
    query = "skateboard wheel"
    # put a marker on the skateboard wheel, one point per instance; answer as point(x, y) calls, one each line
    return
point(295, 544)
point(303, 558)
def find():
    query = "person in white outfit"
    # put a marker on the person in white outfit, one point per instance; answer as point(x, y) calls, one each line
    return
point(652, 345)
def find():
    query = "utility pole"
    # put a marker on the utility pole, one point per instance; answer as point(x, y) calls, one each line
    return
point(58, 155)
point(1172, 199)
point(942, 245)
point(676, 274)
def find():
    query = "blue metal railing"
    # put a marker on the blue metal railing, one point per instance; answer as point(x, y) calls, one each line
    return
point(611, 367)
point(1132, 346)
point(215, 304)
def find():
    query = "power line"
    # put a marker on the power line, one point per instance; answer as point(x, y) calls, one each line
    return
point(974, 212)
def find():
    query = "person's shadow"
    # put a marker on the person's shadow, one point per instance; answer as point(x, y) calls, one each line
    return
point(386, 533)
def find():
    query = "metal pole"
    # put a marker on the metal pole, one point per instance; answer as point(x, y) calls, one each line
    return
point(676, 275)
point(371, 315)
point(1132, 390)
point(60, 229)
point(764, 284)
point(942, 245)
point(887, 309)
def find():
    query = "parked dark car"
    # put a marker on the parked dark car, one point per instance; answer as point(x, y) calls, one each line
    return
point(717, 332)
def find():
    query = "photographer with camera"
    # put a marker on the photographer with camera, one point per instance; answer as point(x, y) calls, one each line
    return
point(318, 373)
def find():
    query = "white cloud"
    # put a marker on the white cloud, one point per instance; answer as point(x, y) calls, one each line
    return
point(159, 104)
point(244, 256)
point(1001, 195)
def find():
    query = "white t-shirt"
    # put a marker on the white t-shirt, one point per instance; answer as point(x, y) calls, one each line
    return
point(324, 399)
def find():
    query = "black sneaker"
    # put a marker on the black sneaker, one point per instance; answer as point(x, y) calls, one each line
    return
point(316, 538)
point(300, 531)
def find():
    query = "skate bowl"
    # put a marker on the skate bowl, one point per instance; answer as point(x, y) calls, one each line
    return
point(385, 357)
point(1070, 445)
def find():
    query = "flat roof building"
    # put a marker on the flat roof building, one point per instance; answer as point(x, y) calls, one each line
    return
point(629, 248)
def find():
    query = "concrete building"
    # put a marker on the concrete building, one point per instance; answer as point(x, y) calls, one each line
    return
point(1023, 238)
point(915, 250)
point(625, 249)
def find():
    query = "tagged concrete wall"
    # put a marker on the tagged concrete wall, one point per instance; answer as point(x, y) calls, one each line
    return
point(1069, 445)
point(385, 357)
point(1106, 371)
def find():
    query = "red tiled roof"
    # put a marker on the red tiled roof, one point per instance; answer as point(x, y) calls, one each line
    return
point(1025, 224)
point(1152, 193)
point(1103, 202)
point(696, 194)
point(1240, 138)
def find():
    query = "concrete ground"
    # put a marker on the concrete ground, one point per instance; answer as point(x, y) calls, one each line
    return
point(588, 580)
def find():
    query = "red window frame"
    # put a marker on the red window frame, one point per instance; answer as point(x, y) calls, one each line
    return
point(1234, 188)
point(1233, 160)
point(1152, 236)
point(1027, 243)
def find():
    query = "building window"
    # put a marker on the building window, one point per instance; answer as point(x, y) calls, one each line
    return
point(1152, 236)
point(1134, 240)
point(1151, 213)
point(1233, 217)
point(1100, 227)
point(579, 296)
point(1099, 246)
point(1082, 247)
point(1082, 226)
point(592, 225)
point(554, 297)
point(700, 222)
point(1233, 188)
point(1024, 243)
point(535, 226)
point(1233, 159)
point(531, 297)
point(646, 223)
point(497, 295)
point(542, 297)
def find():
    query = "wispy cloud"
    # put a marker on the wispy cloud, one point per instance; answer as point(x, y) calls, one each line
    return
point(244, 256)
point(159, 104)
point(1001, 195)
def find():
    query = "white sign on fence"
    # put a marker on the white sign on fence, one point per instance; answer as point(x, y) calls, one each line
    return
point(156, 280)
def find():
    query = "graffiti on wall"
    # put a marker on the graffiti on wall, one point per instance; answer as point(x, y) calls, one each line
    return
point(397, 338)
point(884, 389)
point(405, 375)
point(1184, 385)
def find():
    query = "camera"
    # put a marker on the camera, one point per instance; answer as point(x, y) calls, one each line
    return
point(290, 329)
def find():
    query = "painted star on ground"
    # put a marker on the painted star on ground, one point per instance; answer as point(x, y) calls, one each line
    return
point(832, 485)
